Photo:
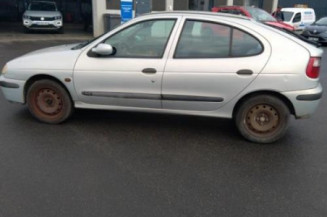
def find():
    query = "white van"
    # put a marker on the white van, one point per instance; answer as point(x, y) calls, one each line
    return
point(299, 18)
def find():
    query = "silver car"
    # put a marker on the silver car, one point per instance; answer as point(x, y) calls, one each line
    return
point(42, 15)
point(193, 63)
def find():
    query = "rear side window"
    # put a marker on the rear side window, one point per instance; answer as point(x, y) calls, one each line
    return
point(211, 40)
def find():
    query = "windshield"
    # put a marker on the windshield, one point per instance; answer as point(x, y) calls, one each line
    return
point(260, 15)
point(287, 15)
point(42, 6)
point(322, 22)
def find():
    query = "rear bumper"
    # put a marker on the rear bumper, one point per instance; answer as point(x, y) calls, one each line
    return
point(305, 102)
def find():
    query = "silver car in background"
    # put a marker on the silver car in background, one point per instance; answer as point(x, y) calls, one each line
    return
point(42, 15)
point(193, 63)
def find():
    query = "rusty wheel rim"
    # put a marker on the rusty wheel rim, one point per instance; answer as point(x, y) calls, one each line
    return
point(262, 119)
point(48, 102)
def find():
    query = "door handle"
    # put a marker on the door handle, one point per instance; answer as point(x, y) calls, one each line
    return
point(244, 72)
point(149, 70)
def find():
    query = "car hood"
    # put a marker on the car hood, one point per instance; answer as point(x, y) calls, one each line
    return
point(316, 28)
point(42, 13)
point(56, 58)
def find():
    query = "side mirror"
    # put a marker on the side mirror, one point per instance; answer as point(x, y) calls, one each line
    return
point(103, 49)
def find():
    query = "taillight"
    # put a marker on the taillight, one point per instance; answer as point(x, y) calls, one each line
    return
point(313, 67)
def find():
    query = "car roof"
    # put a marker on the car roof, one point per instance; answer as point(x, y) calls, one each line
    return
point(237, 6)
point(199, 14)
point(230, 6)
point(297, 9)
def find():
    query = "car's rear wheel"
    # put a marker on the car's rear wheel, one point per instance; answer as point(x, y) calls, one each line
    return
point(262, 118)
point(49, 102)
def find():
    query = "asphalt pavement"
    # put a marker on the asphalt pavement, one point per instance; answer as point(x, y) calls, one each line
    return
point(121, 164)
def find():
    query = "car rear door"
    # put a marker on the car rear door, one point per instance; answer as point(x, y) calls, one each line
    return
point(210, 64)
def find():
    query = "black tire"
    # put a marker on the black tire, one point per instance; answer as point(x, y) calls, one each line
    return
point(262, 119)
point(49, 102)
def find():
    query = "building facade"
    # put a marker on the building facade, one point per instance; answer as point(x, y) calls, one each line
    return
point(12, 10)
point(112, 8)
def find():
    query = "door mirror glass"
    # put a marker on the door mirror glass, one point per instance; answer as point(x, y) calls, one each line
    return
point(103, 49)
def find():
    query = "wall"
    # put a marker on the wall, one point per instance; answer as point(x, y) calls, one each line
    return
point(181, 5)
point(113, 4)
point(219, 2)
point(268, 6)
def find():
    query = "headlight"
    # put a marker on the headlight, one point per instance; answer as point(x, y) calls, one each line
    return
point(58, 18)
point(26, 17)
point(4, 70)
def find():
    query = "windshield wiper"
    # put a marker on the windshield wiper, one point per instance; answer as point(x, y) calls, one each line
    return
point(81, 45)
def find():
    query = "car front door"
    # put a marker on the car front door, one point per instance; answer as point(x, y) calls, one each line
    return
point(211, 64)
point(297, 21)
point(132, 75)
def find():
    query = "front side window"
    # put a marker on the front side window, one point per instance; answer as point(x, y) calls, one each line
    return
point(211, 40)
point(297, 18)
point(144, 39)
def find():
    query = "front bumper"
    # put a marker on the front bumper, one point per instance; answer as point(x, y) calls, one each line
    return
point(13, 90)
point(305, 102)
point(37, 24)
point(322, 37)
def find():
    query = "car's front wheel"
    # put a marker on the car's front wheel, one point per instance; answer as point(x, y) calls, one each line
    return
point(262, 118)
point(49, 102)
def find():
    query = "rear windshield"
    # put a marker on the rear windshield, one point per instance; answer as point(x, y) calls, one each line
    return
point(260, 15)
point(287, 15)
point(42, 6)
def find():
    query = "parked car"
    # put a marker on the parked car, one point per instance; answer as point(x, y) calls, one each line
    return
point(299, 18)
point(255, 13)
point(170, 63)
point(317, 31)
point(42, 15)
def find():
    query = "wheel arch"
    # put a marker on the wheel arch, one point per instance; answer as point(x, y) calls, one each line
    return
point(38, 77)
point(280, 96)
